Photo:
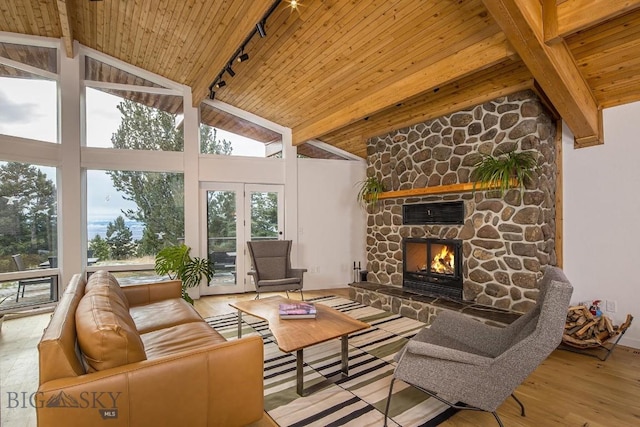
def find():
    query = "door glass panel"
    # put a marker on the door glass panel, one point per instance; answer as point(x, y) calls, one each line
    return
point(264, 215)
point(221, 236)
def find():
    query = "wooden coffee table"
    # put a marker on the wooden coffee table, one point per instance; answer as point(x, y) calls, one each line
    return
point(294, 335)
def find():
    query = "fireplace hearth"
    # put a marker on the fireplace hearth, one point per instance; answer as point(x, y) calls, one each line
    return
point(433, 266)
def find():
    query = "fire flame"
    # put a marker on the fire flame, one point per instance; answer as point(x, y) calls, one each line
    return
point(443, 262)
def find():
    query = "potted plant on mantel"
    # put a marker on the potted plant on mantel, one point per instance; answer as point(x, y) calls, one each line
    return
point(369, 191)
point(504, 171)
point(176, 262)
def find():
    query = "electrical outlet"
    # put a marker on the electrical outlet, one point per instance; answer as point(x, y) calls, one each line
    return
point(611, 306)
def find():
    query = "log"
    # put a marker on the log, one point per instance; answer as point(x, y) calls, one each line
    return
point(574, 330)
point(609, 325)
point(585, 328)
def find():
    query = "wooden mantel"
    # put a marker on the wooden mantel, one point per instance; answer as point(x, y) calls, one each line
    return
point(440, 189)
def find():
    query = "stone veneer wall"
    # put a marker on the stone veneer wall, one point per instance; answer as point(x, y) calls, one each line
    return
point(506, 241)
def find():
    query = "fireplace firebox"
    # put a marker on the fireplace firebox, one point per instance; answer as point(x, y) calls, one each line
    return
point(433, 266)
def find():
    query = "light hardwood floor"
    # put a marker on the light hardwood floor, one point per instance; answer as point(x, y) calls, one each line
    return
point(568, 389)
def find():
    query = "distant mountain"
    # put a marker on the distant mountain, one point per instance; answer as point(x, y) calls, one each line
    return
point(99, 227)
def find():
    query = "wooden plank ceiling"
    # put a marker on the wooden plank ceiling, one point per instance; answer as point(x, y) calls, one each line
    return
point(341, 72)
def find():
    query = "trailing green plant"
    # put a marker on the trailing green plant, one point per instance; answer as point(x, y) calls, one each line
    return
point(499, 173)
point(369, 191)
point(175, 262)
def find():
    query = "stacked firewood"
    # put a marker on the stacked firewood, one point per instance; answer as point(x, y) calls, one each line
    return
point(585, 330)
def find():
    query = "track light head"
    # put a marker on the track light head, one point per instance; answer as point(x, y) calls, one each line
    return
point(260, 29)
point(221, 83)
point(212, 94)
point(243, 57)
point(230, 71)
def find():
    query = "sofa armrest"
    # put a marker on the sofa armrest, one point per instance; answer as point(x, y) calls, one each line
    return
point(147, 293)
point(220, 385)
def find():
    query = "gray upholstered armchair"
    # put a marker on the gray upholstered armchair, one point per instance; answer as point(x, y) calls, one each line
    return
point(460, 360)
point(272, 270)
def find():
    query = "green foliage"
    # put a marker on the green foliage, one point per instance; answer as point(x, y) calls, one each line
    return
point(100, 248)
point(210, 144)
point(159, 196)
point(264, 214)
point(221, 220)
point(120, 240)
point(498, 172)
point(369, 191)
point(27, 210)
point(176, 262)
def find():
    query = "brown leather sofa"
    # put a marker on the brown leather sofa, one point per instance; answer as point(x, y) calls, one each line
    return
point(141, 356)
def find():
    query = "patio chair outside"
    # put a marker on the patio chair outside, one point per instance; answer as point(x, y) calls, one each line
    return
point(22, 284)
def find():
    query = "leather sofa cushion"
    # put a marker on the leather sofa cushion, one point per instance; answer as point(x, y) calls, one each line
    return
point(104, 278)
point(163, 314)
point(179, 338)
point(106, 332)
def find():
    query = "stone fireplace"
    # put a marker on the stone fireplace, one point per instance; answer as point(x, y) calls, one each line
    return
point(505, 241)
point(432, 266)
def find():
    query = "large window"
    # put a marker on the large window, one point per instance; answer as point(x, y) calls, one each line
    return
point(118, 121)
point(229, 135)
point(28, 108)
point(28, 231)
point(132, 215)
point(28, 92)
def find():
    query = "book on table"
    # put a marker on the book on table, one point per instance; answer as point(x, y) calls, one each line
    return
point(298, 310)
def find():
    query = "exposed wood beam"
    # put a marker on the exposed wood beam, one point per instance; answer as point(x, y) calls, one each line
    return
point(552, 66)
point(234, 36)
point(576, 15)
point(484, 54)
point(65, 25)
point(550, 21)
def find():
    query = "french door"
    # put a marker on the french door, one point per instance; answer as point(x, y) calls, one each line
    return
point(234, 213)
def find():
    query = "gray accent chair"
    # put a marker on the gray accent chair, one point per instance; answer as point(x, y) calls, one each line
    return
point(470, 365)
point(272, 272)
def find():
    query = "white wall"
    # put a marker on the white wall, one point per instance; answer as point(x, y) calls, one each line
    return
point(331, 225)
point(601, 212)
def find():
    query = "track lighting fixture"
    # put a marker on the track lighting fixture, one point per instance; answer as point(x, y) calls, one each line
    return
point(240, 55)
point(260, 29)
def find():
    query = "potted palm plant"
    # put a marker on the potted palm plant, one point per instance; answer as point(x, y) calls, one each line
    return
point(504, 171)
point(176, 262)
point(369, 191)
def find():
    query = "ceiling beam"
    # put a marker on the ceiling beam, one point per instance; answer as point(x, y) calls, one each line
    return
point(66, 27)
point(572, 16)
point(481, 55)
point(234, 35)
point(552, 66)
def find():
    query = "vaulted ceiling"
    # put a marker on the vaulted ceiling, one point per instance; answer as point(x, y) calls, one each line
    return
point(342, 71)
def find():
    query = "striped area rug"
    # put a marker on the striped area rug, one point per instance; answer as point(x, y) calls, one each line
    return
point(357, 400)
